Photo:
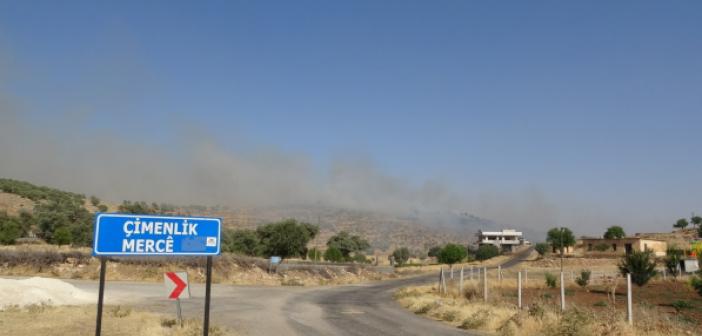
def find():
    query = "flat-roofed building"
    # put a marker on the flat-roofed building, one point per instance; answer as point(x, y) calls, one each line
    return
point(621, 246)
point(505, 240)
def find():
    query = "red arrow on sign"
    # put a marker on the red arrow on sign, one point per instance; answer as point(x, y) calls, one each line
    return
point(180, 285)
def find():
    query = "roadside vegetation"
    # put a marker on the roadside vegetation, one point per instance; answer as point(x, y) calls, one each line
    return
point(80, 320)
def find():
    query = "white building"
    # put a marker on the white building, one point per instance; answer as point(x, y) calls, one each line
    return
point(505, 239)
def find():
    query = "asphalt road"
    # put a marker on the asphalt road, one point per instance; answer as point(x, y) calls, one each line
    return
point(364, 309)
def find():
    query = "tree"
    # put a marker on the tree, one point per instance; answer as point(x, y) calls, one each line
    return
point(640, 265)
point(697, 221)
point(10, 229)
point(486, 252)
point(452, 253)
point(550, 280)
point(347, 243)
point(560, 238)
point(242, 241)
point(699, 232)
point(102, 208)
point(286, 239)
point(333, 254)
point(681, 223)
point(696, 283)
point(434, 251)
point(62, 236)
point(673, 256)
point(401, 255)
point(94, 200)
point(614, 232)
point(541, 248)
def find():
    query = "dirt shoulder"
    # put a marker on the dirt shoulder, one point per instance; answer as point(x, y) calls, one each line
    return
point(80, 320)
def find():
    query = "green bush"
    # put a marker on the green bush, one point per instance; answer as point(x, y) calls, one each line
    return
point(696, 283)
point(681, 305)
point(10, 229)
point(584, 279)
point(360, 258)
point(486, 252)
point(673, 256)
point(286, 238)
point(640, 265)
point(333, 254)
point(550, 280)
point(62, 236)
point(347, 243)
point(541, 248)
point(401, 255)
point(242, 241)
point(452, 253)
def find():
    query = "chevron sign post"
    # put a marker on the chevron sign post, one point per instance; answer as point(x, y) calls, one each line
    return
point(176, 285)
point(177, 288)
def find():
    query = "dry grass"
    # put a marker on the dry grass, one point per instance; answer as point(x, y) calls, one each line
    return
point(500, 314)
point(80, 320)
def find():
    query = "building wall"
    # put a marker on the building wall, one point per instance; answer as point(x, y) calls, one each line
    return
point(618, 246)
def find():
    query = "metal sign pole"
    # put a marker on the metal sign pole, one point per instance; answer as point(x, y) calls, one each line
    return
point(98, 322)
point(179, 313)
point(208, 289)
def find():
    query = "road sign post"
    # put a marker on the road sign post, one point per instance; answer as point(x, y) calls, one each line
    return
point(154, 235)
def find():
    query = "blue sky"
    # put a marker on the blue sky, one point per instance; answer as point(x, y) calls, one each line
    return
point(593, 104)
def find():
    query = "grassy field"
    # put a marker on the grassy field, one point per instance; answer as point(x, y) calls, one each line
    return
point(660, 308)
point(80, 320)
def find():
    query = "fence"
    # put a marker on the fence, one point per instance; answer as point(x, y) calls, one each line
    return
point(521, 287)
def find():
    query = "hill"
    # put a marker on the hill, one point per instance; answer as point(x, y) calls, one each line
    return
point(385, 231)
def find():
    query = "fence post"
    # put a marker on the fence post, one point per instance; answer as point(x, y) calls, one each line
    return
point(471, 272)
point(665, 277)
point(629, 312)
point(460, 286)
point(499, 273)
point(526, 277)
point(519, 291)
point(441, 278)
point(485, 286)
point(562, 294)
point(443, 281)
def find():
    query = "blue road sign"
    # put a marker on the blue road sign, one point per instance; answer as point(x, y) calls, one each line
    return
point(153, 235)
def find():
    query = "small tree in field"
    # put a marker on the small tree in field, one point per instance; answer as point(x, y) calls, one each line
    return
point(434, 251)
point(550, 280)
point(451, 254)
point(541, 248)
point(681, 223)
point(401, 255)
point(584, 279)
point(614, 232)
point(640, 265)
point(486, 252)
point(696, 221)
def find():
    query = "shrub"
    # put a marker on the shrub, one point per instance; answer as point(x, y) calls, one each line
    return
point(401, 255)
point(541, 248)
point(681, 305)
point(286, 238)
point(550, 280)
point(584, 279)
point(347, 243)
point(673, 256)
point(640, 265)
point(62, 236)
point(333, 254)
point(242, 241)
point(477, 320)
point(434, 251)
point(360, 258)
point(696, 283)
point(486, 252)
point(600, 304)
point(314, 254)
point(452, 253)
point(10, 229)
